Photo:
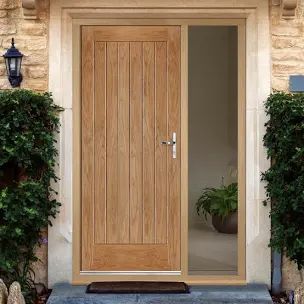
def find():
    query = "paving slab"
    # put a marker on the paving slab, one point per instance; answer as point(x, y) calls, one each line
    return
point(248, 294)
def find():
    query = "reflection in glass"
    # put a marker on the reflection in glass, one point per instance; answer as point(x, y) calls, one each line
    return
point(213, 150)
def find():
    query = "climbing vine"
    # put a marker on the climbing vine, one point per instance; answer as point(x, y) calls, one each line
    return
point(284, 141)
point(28, 125)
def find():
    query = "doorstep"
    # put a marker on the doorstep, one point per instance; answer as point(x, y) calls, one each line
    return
point(248, 294)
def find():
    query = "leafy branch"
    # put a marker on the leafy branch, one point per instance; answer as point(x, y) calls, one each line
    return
point(284, 140)
point(28, 126)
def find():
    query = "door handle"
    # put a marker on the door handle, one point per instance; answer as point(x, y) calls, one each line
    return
point(172, 143)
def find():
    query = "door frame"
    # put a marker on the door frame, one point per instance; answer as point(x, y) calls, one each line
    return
point(80, 277)
point(65, 17)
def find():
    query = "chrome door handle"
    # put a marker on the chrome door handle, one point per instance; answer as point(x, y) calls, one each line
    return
point(172, 143)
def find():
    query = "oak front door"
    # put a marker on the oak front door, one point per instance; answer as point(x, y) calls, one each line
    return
point(130, 148)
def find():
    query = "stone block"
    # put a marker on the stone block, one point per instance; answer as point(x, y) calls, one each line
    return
point(15, 14)
point(2, 70)
point(290, 275)
point(35, 58)
point(287, 68)
point(37, 72)
point(3, 13)
point(9, 4)
point(299, 294)
point(286, 30)
point(15, 295)
point(280, 84)
point(35, 84)
point(37, 43)
point(4, 84)
point(7, 27)
point(289, 55)
point(3, 292)
point(31, 28)
point(19, 43)
point(283, 43)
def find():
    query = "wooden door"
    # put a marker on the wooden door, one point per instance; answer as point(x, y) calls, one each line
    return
point(130, 180)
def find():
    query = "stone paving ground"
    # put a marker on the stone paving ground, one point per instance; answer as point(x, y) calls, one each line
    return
point(249, 294)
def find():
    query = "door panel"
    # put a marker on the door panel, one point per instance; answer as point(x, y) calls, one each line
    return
point(130, 181)
point(136, 143)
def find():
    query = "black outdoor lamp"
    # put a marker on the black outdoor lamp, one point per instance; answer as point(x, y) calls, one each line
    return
point(13, 60)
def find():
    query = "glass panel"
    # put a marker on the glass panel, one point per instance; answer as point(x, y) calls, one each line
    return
point(13, 66)
point(7, 65)
point(213, 150)
point(19, 60)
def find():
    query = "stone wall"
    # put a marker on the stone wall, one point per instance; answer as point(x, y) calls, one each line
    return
point(287, 46)
point(31, 38)
point(287, 59)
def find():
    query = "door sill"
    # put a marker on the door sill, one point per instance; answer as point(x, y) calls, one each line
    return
point(124, 273)
point(87, 277)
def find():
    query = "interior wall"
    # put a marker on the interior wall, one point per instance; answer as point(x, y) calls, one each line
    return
point(212, 109)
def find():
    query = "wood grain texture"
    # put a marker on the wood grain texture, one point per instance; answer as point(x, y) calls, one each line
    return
point(87, 143)
point(174, 164)
point(184, 151)
point(122, 215)
point(242, 151)
point(149, 143)
point(161, 153)
point(194, 18)
point(112, 144)
point(131, 33)
point(131, 185)
point(130, 257)
point(100, 139)
point(136, 142)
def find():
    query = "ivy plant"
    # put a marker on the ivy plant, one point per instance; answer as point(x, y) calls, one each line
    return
point(28, 125)
point(284, 140)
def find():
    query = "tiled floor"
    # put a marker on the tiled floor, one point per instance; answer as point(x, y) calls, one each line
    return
point(211, 252)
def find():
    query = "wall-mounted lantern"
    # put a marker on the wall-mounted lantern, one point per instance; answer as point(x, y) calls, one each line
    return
point(13, 59)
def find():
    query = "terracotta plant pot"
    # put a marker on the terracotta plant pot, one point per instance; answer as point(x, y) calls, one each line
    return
point(228, 225)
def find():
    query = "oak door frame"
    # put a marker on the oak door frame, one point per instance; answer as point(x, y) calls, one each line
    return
point(79, 277)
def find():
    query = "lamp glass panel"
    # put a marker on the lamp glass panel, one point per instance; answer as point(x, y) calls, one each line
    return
point(18, 66)
point(13, 64)
point(7, 66)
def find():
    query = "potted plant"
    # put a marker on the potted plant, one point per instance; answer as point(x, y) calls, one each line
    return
point(221, 203)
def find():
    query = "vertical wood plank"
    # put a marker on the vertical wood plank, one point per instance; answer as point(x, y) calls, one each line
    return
point(100, 143)
point(174, 164)
point(122, 219)
point(148, 143)
point(136, 142)
point(184, 150)
point(161, 150)
point(241, 150)
point(130, 183)
point(113, 228)
point(87, 147)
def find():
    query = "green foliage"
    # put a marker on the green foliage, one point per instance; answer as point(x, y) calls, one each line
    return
point(218, 201)
point(284, 140)
point(28, 126)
